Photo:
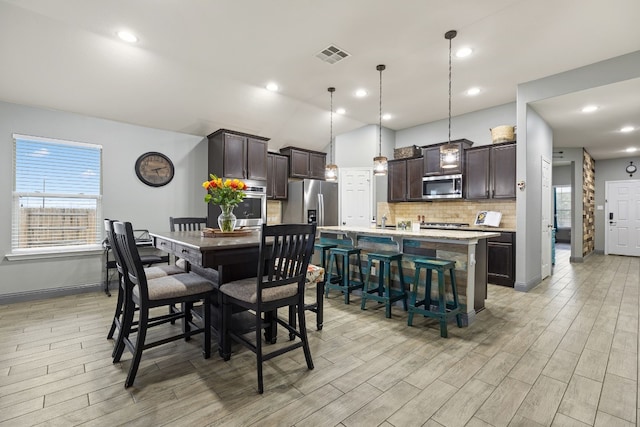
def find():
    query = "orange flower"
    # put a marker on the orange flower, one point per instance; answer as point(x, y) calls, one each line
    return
point(227, 193)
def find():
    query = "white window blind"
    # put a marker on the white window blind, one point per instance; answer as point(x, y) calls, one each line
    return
point(57, 195)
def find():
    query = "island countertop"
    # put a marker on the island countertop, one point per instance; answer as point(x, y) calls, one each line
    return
point(431, 233)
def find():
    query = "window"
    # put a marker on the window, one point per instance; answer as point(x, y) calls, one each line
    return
point(57, 195)
point(563, 206)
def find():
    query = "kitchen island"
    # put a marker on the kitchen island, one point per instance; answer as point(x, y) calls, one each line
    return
point(467, 248)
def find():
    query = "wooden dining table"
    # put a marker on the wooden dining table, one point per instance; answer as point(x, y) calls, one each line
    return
point(234, 257)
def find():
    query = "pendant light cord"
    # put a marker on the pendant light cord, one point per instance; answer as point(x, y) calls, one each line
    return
point(450, 90)
point(380, 68)
point(331, 125)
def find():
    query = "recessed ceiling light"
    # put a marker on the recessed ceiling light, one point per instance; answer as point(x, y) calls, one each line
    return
point(272, 87)
point(341, 111)
point(589, 108)
point(627, 129)
point(127, 36)
point(386, 116)
point(463, 52)
point(473, 91)
point(631, 150)
point(360, 93)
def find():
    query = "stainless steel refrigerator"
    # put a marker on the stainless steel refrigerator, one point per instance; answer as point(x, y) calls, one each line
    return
point(311, 200)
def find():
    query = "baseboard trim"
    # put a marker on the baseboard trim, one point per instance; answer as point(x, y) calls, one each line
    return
point(527, 286)
point(576, 259)
point(50, 293)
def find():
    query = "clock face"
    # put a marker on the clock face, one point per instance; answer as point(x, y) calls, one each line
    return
point(154, 169)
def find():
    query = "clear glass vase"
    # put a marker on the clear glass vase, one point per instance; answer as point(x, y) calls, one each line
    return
point(226, 219)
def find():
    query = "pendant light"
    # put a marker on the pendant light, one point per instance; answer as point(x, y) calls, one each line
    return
point(449, 153)
point(331, 169)
point(380, 162)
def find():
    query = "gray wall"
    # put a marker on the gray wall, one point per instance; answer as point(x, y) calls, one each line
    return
point(124, 196)
point(473, 126)
point(562, 175)
point(358, 147)
point(609, 170)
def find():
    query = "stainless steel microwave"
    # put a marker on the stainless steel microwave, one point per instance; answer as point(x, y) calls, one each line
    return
point(442, 187)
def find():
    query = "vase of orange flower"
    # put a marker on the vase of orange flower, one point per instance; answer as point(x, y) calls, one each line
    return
point(227, 194)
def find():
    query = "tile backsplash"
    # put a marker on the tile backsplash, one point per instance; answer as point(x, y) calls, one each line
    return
point(274, 212)
point(463, 211)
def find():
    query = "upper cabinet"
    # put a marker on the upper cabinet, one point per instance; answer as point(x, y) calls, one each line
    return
point(305, 163)
point(404, 180)
point(490, 172)
point(238, 155)
point(431, 156)
point(277, 176)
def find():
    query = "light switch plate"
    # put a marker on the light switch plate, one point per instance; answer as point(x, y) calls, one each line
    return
point(600, 207)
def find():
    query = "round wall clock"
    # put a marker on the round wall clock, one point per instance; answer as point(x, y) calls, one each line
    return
point(154, 169)
point(631, 168)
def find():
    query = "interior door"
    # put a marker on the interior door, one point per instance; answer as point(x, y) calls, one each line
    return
point(545, 218)
point(622, 219)
point(355, 196)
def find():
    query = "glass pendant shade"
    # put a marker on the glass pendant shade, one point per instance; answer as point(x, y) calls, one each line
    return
point(380, 166)
point(449, 156)
point(331, 172)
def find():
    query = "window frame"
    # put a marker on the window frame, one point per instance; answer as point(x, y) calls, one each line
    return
point(54, 251)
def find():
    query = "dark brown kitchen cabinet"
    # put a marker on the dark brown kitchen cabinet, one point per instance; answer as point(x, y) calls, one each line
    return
point(277, 176)
point(501, 264)
point(431, 155)
point(305, 163)
point(404, 178)
point(490, 172)
point(238, 155)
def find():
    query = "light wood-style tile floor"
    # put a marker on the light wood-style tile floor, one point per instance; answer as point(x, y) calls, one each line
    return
point(564, 354)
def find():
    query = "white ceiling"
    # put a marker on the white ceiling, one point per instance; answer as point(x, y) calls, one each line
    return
point(202, 65)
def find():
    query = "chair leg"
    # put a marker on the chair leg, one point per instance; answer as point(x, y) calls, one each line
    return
point(303, 336)
point(187, 319)
point(292, 321)
point(125, 327)
point(442, 302)
point(320, 304)
point(207, 327)
point(118, 312)
point(387, 289)
point(137, 354)
point(456, 302)
point(414, 295)
point(225, 326)
point(259, 352)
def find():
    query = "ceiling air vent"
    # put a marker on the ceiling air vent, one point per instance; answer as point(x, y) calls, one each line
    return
point(332, 54)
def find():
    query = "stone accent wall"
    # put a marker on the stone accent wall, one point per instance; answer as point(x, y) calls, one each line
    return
point(588, 203)
point(463, 211)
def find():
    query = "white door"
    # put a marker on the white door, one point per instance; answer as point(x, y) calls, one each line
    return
point(355, 197)
point(622, 218)
point(545, 218)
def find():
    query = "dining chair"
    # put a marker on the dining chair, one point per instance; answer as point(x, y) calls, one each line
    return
point(184, 289)
point(151, 272)
point(187, 223)
point(285, 250)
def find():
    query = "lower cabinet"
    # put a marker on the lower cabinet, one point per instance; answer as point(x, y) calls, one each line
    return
point(501, 254)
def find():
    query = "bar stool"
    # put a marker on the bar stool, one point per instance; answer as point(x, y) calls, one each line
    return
point(445, 309)
point(345, 285)
point(383, 293)
point(324, 258)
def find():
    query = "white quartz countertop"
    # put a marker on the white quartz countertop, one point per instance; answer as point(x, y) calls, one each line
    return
point(456, 234)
